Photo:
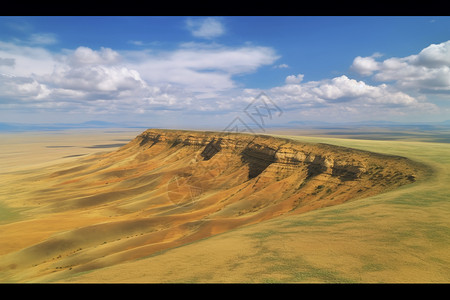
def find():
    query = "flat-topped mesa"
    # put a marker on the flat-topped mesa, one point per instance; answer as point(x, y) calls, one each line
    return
point(260, 151)
point(167, 188)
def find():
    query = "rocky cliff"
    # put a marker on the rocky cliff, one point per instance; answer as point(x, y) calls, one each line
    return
point(258, 152)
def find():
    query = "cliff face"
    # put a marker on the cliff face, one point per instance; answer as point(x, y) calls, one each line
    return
point(285, 175)
point(259, 152)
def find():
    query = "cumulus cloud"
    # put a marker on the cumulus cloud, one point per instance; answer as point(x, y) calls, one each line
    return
point(104, 80)
point(22, 88)
point(340, 90)
point(365, 65)
point(94, 78)
point(207, 28)
point(294, 79)
point(201, 77)
point(87, 56)
point(337, 99)
point(89, 73)
point(433, 56)
point(427, 71)
point(82, 79)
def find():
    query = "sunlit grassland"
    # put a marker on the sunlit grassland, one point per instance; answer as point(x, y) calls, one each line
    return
point(397, 236)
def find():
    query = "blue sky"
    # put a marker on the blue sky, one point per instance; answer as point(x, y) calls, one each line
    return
point(182, 71)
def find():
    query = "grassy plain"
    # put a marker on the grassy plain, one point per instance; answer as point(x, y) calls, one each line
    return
point(394, 237)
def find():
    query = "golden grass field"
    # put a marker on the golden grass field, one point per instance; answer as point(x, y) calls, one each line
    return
point(51, 233)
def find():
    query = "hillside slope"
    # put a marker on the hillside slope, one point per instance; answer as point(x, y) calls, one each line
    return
point(168, 188)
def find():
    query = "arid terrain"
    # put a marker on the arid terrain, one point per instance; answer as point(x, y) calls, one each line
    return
point(194, 206)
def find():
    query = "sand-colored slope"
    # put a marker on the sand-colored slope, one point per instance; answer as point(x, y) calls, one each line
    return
point(167, 189)
point(393, 237)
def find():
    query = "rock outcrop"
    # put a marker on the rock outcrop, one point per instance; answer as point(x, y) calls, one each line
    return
point(259, 152)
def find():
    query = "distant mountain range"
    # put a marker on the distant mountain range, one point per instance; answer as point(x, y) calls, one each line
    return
point(19, 127)
point(326, 125)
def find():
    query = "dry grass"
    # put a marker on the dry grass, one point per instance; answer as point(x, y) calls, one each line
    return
point(397, 236)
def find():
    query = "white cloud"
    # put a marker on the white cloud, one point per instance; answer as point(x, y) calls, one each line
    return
point(27, 60)
point(340, 90)
point(22, 88)
point(365, 65)
point(281, 66)
point(94, 78)
point(145, 43)
point(87, 56)
point(86, 72)
point(427, 71)
point(200, 68)
point(345, 99)
point(294, 79)
point(201, 77)
point(336, 99)
point(207, 28)
point(433, 56)
point(137, 43)
point(42, 39)
point(230, 60)
point(86, 80)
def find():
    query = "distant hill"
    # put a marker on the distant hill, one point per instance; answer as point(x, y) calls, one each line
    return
point(19, 127)
point(370, 123)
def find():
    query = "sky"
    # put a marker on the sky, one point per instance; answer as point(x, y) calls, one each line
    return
point(210, 71)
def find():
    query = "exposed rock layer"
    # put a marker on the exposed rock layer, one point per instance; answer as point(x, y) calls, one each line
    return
point(259, 152)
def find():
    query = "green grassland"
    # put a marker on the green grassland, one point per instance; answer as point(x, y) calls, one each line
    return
point(394, 237)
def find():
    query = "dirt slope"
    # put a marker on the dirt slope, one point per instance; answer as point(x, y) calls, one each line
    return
point(168, 188)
